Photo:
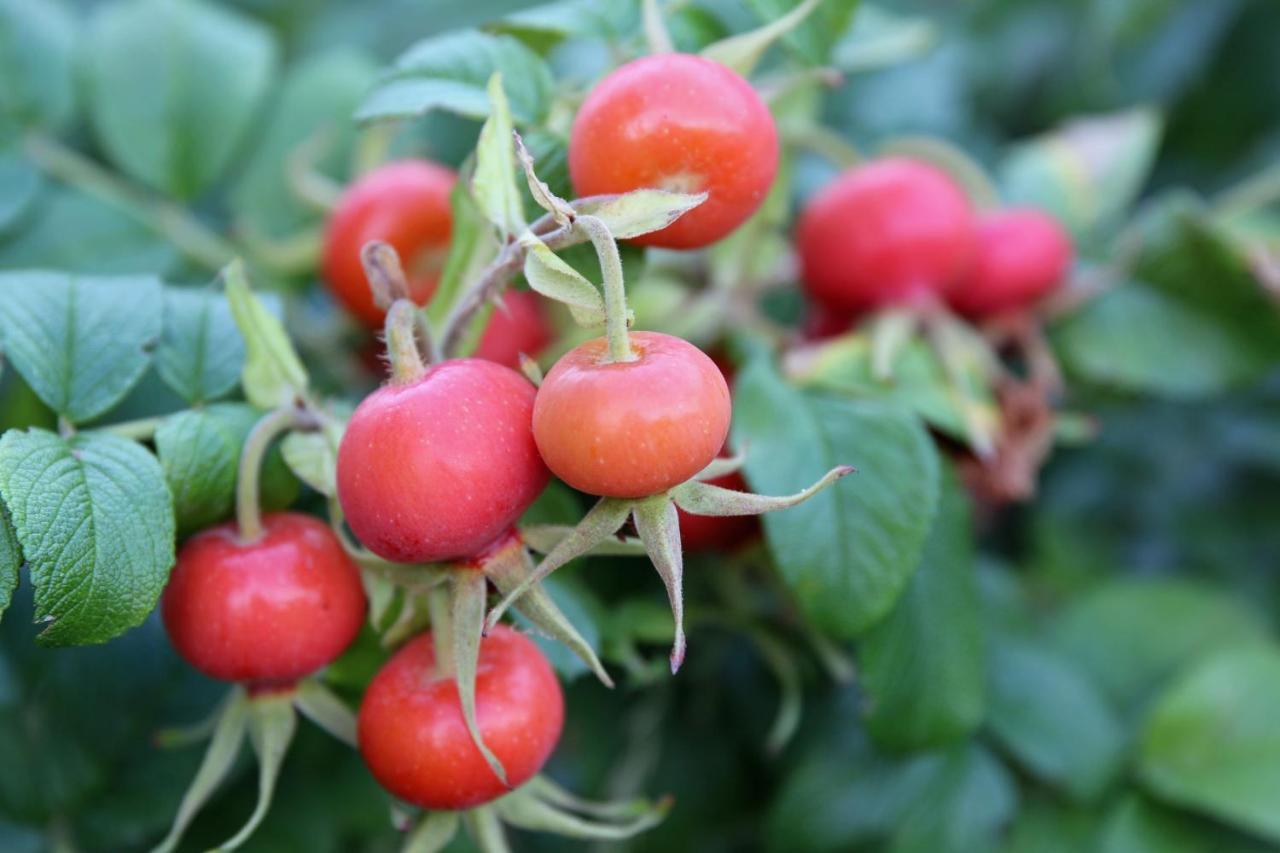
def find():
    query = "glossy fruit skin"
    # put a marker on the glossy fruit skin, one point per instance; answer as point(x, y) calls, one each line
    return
point(438, 469)
point(1022, 255)
point(887, 233)
point(266, 612)
point(518, 325)
point(404, 203)
point(717, 533)
point(683, 123)
point(635, 428)
point(412, 735)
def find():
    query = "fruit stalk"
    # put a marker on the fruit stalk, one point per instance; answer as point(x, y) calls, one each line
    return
point(615, 294)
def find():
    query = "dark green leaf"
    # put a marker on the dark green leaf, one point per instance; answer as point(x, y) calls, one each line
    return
point(19, 185)
point(174, 86)
point(10, 559)
point(1139, 825)
point(201, 351)
point(923, 667)
point(1052, 719)
point(848, 553)
point(81, 343)
point(962, 809)
point(37, 46)
point(1123, 635)
point(95, 521)
point(1047, 826)
point(450, 72)
point(1211, 742)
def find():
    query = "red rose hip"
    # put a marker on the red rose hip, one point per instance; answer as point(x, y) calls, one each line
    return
point(266, 612)
point(884, 234)
point(1022, 255)
point(518, 325)
point(404, 203)
point(681, 123)
point(413, 737)
point(438, 468)
point(629, 429)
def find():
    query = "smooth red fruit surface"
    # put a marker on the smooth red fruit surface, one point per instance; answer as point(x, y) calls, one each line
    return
point(518, 325)
point(264, 612)
point(681, 123)
point(1021, 256)
point(717, 533)
point(404, 203)
point(439, 468)
point(633, 428)
point(414, 739)
point(887, 233)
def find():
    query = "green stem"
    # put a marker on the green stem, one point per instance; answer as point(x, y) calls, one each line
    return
point(615, 292)
point(192, 237)
point(142, 429)
point(655, 29)
point(402, 343)
point(442, 629)
point(265, 431)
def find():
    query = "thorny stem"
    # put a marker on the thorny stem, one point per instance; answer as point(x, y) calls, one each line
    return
point(265, 431)
point(402, 344)
point(188, 234)
point(615, 294)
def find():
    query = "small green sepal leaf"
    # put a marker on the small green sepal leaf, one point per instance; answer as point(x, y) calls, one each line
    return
point(273, 375)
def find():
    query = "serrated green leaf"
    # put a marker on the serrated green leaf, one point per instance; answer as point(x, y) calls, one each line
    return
point(550, 276)
point(451, 72)
point(743, 52)
point(81, 343)
point(174, 86)
point(95, 520)
point(641, 211)
point(201, 351)
point(848, 553)
point(199, 451)
point(273, 374)
point(37, 53)
point(493, 184)
point(10, 559)
point(924, 667)
point(1053, 719)
point(1211, 742)
point(19, 185)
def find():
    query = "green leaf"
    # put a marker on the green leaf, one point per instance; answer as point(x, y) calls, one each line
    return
point(880, 38)
point(813, 39)
point(37, 64)
point(962, 809)
point(543, 27)
point(316, 101)
point(19, 185)
point(81, 343)
point(174, 86)
point(313, 457)
point(201, 351)
point(1088, 172)
point(848, 553)
point(641, 211)
point(451, 72)
point(1140, 825)
point(95, 521)
point(1052, 719)
point(549, 275)
point(1047, 826)
point(493, 184)
point(273, 374)
point(10, 559)
point(1212, 744)
point(1120, 633)
point(924, 667)
point(107, 241)
point(199, 451)
point(470, 247)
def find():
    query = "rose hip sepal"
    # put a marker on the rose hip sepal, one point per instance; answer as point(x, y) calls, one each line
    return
point(415, 738)
point(265, 613)
point(643, 433)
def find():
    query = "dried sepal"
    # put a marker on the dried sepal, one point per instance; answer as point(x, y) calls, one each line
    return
point(705, 499)
point(272, 723)
point(659, 527)
point(432, 834)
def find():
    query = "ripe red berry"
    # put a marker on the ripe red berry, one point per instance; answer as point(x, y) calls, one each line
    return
point(682, 123)
point(517, 326)
point(1022, 255)
point(266, 612)
point(404, 203)
point(439, 468)
point(633, 428)
point(415, 742)
point(884, 234)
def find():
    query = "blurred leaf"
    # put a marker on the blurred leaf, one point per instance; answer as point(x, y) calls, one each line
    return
point(81, 343)
point(1052, 719)
point(1047, 826)
point(880, 38)
point(19, 185)
point(1211, 742)
point(273, 374)
point(173, 88)
point(963, 809)
point(450, 72)
point(1122, 634)
point(923, 667)
point(542, 27)
point(742, 52)
point(812, 41)
point(848, 553)
point(1139, 825)
point(201, 351)
point(37, 53)
point(471, 245)
point(692, 27)
point(1087, 172)
point(314, 108)
point(107, 241)
point(95, 521)
point(10, 559)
